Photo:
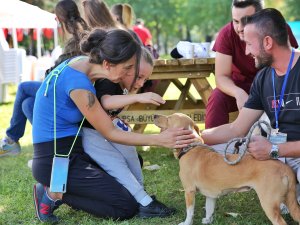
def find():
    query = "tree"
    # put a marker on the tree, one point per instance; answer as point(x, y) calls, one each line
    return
point(292, 9)
point(174, 20)
point(195, 20)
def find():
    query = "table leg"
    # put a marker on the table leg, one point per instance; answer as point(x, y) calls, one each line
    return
point(203, 87)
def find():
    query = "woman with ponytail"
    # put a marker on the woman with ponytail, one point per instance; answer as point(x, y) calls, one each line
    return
point(124, 14)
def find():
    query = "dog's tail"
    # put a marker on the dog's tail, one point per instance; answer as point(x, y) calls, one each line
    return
point(291, 199)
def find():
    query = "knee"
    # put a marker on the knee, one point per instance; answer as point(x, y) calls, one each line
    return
point(21, 87)
point(27, 108)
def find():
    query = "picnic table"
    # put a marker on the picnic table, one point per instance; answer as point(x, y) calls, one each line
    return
point(183, 73)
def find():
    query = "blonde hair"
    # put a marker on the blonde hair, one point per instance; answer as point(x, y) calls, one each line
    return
point(97, 14)
point(124, 14)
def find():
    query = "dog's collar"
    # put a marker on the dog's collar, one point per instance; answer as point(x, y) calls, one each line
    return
point(183, 151)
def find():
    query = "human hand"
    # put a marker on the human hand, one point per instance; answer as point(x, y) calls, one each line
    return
point(150, 97)
point(259, 147)
point(176, 138)
point(241, 97)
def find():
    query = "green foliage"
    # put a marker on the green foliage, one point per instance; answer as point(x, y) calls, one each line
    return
point(292, 9)
point(174, 20)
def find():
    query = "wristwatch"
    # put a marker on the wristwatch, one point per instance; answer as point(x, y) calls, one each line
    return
point(274, 152)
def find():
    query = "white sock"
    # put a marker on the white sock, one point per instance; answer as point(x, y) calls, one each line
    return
point(49, 195)
point(146, 200)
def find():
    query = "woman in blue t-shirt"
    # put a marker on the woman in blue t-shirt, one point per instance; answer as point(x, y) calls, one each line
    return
point(68, 91)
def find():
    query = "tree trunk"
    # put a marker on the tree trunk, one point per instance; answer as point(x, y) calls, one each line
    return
point(166, 41)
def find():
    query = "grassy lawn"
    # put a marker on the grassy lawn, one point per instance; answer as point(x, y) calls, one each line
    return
point(16, 181)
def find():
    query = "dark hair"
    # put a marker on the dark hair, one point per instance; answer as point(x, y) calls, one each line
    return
point(97, 14)
point(115, 46)
point(257, 4)
point(68, 15)
point(269, 22)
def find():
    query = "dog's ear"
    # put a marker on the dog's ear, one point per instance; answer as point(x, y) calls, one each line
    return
point(196, 128)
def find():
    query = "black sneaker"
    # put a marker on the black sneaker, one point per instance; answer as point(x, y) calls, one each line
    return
point(44, 206)
point(155, 209)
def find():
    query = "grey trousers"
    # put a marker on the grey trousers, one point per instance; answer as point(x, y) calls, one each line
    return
point(119, 161)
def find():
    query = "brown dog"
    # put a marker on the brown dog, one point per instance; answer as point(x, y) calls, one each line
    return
point(204, 170)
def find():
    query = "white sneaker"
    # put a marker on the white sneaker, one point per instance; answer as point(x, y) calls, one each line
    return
point(9, 147)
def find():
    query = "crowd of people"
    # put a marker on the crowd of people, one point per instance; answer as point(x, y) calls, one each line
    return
point(105, 62)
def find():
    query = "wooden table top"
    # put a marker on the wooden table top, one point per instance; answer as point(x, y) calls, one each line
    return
point(167, 62)
point(182, 68)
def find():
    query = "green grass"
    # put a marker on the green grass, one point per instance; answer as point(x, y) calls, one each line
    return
point(16, 181)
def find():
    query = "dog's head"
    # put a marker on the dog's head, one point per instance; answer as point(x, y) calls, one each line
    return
point(177, 120)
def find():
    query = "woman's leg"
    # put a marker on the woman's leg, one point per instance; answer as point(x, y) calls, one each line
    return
point(27, 108)
point(91, 189)
point(108, 157)
point(18, 119)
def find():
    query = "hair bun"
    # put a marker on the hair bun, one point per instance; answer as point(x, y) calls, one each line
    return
point(92, 40)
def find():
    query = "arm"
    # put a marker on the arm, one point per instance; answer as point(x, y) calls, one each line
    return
point(89, 106)
point(224, 81)
point(238, 128)
point(260, 148)
point(119, 101)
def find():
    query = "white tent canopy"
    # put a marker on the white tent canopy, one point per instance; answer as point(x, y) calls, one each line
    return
point(17, 14)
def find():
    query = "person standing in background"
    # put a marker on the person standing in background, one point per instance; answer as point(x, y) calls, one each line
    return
point(143, 32)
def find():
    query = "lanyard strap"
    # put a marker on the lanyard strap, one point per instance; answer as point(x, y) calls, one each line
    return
point(278, 107)
point(55, 73)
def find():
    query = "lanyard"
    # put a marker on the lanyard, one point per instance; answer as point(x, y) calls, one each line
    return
point(55, 73)
point(277, 108)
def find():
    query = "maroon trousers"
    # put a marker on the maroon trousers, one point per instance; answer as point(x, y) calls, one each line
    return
point(220, 105)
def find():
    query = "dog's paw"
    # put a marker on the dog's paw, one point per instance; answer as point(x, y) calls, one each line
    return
point(207, 220)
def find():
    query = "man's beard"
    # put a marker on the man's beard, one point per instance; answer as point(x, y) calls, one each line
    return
point(263, 60)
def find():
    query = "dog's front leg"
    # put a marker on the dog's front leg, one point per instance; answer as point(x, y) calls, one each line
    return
point(190, 206)
point(209, 208)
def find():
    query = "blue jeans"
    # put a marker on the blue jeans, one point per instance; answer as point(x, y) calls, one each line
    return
point(23, 109)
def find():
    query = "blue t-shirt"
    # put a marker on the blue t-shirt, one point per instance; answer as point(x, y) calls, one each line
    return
point(68, 115)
